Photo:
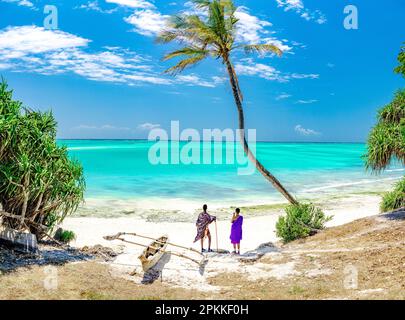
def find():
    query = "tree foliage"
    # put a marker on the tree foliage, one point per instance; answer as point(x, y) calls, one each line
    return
point(213, 33)
point(386, 140)
point(39, 184)
point(401, 60)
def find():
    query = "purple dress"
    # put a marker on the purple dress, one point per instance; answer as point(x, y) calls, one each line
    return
point(236, 231)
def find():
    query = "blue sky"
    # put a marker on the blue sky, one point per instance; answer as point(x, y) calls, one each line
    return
point(101, 72)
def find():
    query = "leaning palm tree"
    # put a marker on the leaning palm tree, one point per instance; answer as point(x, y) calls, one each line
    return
point(213, 34)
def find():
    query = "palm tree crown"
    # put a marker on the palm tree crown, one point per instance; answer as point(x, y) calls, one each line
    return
point(211, 34)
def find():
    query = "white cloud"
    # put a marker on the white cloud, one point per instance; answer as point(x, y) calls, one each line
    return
point(260, 70)
point(291, 4)
point(148, 79)
point(35, 49)
point(193, 79)
point(95, 6)
point(305, 132)
point(105, 127)
point(283, 96)
point(22, 3)
point(132, 3)
point(267, 72)
point(306, 101)
point(303, 76)
point(298, 7)
point(148, 126)
point(250, 28)
point(147, 22)
point(17, 42)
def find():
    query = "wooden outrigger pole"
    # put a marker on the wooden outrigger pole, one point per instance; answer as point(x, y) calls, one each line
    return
point(150, 238)
point(118, 235)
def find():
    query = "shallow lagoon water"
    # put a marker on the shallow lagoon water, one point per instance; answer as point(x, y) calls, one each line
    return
point(121, 169)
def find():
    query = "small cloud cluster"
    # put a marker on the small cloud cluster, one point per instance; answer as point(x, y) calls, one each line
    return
point(147, 126)
point(298, 7)
point(104, 127)
point(306, 101)
point(95, 6)
point(283, 96)
point(305, 132)
point(21, 3)
point(249, 68)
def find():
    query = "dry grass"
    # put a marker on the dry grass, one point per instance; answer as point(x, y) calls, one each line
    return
point(374, 246)
point(84, 280)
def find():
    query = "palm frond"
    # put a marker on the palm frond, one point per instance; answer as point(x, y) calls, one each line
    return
point(262, 49)
point(186, 51)
point(201, 3)
point(185, 63)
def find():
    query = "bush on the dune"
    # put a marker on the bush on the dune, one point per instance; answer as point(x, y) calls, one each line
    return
point(394, 199)
point(302, 220)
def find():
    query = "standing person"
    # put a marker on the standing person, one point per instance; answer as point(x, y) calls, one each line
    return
point(236, 231)
point(203, 221)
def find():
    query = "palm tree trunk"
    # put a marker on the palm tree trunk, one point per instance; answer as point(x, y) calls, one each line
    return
point(248, 152)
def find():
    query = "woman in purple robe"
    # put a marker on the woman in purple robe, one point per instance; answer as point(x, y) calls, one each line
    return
point(236, 231)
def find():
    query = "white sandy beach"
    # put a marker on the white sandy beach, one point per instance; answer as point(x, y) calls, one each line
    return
point(258, 232)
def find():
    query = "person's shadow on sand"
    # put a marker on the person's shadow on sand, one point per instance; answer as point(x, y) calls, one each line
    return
point(155, 273)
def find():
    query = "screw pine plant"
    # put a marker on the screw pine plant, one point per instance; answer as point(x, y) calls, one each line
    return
point(39, 184)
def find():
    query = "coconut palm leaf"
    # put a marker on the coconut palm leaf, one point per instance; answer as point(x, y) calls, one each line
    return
point(262, 48)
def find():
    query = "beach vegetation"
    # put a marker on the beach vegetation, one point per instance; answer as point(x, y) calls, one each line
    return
point(39, 184)
point(212, 32)
point(400, 69)
point(386, 143)
point(386, 140)
point(300, 221)
point(394, 199)
point(64, 236)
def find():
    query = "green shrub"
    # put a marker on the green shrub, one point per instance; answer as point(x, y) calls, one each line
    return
point(65, 236)
point(302, 220)
point(394, 199)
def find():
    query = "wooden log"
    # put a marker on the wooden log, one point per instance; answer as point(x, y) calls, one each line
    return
point(25, 242)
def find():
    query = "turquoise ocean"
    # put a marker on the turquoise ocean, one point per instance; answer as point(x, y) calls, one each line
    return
point(120, 169)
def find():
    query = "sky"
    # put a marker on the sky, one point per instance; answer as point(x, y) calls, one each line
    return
point(101, 71)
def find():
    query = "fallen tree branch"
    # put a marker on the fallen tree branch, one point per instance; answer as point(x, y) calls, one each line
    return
point(17, 217)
